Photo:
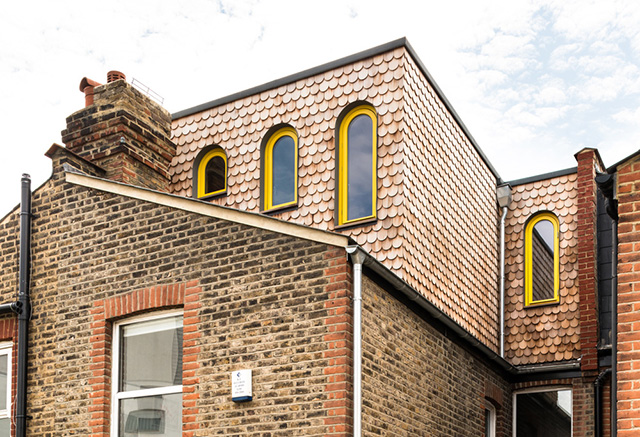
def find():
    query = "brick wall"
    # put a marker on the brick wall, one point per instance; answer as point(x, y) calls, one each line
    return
point(588, 162)
point(417, 382)
point(125, 133)
point(252, 299)
point(628, 393)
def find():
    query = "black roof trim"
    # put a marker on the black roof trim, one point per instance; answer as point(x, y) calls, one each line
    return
point(542, 177)
point(401, 42)
point(293, 77)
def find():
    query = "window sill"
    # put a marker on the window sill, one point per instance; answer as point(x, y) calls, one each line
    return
point(540, 305)
point(357, 223)
point(280, 209)
point(212, 196)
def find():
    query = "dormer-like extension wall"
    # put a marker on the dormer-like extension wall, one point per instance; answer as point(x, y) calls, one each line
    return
point(122, 131)
point(429, 212)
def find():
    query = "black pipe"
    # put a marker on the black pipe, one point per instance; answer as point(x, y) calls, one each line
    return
point(13, 307)
point(597, 387)
point(25, 314)
point(606, 184)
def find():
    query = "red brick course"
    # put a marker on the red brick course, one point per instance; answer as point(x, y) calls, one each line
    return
point(588, 161)
point(106, 311)
point(628, 390)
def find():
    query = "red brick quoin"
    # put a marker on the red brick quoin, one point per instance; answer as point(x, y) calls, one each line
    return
point(137, 302)
point(339, 404)
point(588, 161)
point(9, 332)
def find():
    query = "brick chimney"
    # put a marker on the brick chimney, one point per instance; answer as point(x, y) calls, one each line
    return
point(122, 131)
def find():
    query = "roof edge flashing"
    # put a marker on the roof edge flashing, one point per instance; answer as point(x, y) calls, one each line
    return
point(195, 206)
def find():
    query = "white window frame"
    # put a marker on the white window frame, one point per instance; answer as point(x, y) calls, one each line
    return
point(538, 390)
point(117, 396)
point(6, 348)
point(488, 406)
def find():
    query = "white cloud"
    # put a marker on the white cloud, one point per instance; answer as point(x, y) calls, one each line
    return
point(627, 115)
point(530, 79)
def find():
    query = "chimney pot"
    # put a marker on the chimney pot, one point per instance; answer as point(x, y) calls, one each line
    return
point(114, 75)
point(86, 86)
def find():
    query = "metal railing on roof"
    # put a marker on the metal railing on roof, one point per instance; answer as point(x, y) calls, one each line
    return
point(147, 91)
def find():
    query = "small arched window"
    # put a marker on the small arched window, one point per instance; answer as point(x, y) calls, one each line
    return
point(542, 265)
point(357, 144)
point(280, 174)
point(210, 173)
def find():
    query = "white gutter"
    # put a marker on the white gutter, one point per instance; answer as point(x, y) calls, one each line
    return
point(357, 258)
point(504, 215)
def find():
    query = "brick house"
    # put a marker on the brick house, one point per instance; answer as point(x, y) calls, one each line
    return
point(339, 234)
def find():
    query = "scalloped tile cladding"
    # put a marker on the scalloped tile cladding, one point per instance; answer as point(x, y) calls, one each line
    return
point(551, 332)
point(435, 229)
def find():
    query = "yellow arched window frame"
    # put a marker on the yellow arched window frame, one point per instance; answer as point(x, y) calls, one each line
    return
point(542, 259)
point(357, 167)
point(281, 169)
point(205, 185)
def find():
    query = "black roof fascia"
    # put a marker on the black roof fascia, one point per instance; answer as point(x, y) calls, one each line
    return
point(293, 77)
point(401, 42)
point(542, 177)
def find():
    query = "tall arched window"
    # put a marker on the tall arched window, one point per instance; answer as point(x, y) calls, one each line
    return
point(357, 141)
point(542, 265)
point(280, 169)
point(210, 173)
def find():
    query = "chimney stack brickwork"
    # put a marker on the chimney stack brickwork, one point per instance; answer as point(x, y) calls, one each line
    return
point(125, 133)
point(588, 163)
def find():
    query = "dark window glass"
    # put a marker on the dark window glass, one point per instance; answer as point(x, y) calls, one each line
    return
point(546, 414)
point(215, 175)
point(487, 423)
point(284, 171)
point(360, 165)
point(542, 261)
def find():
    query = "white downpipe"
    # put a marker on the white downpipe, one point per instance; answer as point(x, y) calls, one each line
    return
point(504, 215)
point(357, 258)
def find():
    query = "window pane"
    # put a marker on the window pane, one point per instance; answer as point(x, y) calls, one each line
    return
point(546, 413)
point(542, 261)
point(151, 354)
point(3, 381)
point(488, 423)
point(215, 175)
point(5, 427)
point(152, 415)
point(360, 165)
point(284, 171)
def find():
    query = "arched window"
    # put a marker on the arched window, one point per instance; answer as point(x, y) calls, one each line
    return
point(357, 140)
point(542, 265)
point(280, 169)
point(210, 173)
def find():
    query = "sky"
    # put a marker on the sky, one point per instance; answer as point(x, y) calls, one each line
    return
point(533, 81)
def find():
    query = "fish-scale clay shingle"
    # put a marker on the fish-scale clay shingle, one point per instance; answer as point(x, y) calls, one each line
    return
point(549, 332)
point(436, 222)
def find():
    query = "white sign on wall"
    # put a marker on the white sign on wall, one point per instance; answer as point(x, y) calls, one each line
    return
point(241, 386)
